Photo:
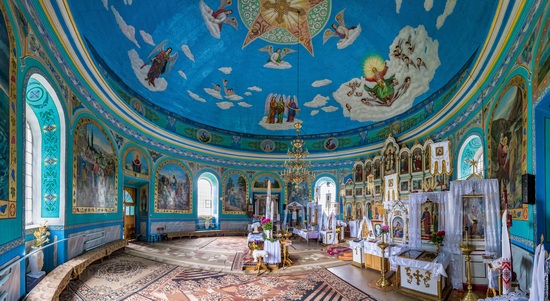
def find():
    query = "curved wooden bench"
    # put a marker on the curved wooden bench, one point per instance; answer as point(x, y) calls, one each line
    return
point(55, 282)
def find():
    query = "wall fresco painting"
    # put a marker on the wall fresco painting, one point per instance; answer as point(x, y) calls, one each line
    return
point(135, 163)
point(235, 193)
point(260, 183)
point(508, 142)
point(298, 193)
point(173, 188)
point(8, 139)
point(95, 179)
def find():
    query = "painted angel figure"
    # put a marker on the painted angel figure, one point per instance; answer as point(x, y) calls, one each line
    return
point(275, 60)
point(161, 62)
point(346, 34)
point(214, 19)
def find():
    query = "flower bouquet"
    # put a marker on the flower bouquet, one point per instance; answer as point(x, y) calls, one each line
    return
point(437, 239)
point(267, 224)
point(41, 235)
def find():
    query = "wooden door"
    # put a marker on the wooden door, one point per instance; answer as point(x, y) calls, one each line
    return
point(128, 210)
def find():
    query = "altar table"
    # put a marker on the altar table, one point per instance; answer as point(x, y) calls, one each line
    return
point(306, 234)
point(255, 236)
point(274, 252)
point(373, 254)
point(422, 274)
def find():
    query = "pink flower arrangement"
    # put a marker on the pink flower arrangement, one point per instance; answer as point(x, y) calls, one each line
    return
point(266, 220)
point(385, 229)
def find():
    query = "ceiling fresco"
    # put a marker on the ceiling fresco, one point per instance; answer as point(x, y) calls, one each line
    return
point(258, 66)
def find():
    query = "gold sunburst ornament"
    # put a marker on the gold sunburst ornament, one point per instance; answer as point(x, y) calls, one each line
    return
point(290, 15)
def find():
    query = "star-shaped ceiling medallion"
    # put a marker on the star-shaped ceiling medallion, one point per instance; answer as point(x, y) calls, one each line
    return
point(290, 15)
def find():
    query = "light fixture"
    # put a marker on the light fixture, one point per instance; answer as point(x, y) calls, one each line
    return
point(296, 167)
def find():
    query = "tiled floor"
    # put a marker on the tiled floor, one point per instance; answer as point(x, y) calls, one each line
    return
point(360, 278)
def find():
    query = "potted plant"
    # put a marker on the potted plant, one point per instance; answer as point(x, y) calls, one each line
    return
point(36, 258)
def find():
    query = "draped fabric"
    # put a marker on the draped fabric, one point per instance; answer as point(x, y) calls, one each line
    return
point(299, 207)
point(454, 223)
point(273, 249)
point(415, 200)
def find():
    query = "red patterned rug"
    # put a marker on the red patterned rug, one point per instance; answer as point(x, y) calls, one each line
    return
point(337, 250)
point(144, 282)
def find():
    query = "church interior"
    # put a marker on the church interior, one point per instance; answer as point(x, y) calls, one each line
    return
point(371, 150)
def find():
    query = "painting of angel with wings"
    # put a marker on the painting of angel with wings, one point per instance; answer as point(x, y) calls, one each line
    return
point(346, 34)
point(214, 19)
point(275, 60)
point(161, 62)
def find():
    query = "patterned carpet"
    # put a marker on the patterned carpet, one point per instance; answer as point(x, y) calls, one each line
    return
point(125, 277)
point(228, 254)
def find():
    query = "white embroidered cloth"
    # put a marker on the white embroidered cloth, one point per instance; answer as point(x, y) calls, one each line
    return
point(437, 266)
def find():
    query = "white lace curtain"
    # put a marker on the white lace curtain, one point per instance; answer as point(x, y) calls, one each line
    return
point(489, 190)
point(415, 200)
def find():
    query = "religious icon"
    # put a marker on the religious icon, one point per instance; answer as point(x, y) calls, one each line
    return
point(474, 217)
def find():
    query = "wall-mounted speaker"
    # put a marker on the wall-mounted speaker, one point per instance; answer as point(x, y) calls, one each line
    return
point(528, 188)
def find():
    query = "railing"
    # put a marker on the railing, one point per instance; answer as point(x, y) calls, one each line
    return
point(7, 271)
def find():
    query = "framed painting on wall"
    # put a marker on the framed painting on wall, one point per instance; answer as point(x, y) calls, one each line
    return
point(508, 142)
point(397, 225)
point(473, 217)
point(173, 188)
point(404, 186)
point(429, 219)
point(95, 166)
point(417, 184)
point(349, 192)
point(135, 163)
point(359, 191)
point(377, 228)
point(235, 193)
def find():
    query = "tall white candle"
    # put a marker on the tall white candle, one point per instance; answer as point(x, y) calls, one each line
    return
point(272, 209)
point(268, 187)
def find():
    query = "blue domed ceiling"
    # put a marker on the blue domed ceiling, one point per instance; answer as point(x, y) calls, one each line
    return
point(257, 66)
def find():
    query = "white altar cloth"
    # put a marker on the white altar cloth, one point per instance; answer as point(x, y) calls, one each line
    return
point(306, 234)
point(255, 236)
point(356, 244)
point(437, 266)
point(373, 249)
point(274, 251)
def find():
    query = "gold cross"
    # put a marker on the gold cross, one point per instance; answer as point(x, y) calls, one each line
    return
point(418, 276)
point(281, 7)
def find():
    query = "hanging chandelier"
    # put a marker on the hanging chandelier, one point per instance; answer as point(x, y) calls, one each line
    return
point(296, 167)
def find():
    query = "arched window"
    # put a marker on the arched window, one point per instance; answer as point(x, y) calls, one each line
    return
point(470, 158)
point(33, 169)
point(205, 195)
point(29, 166)
point(45, 180)
point(325, 190)
point(208, 190)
